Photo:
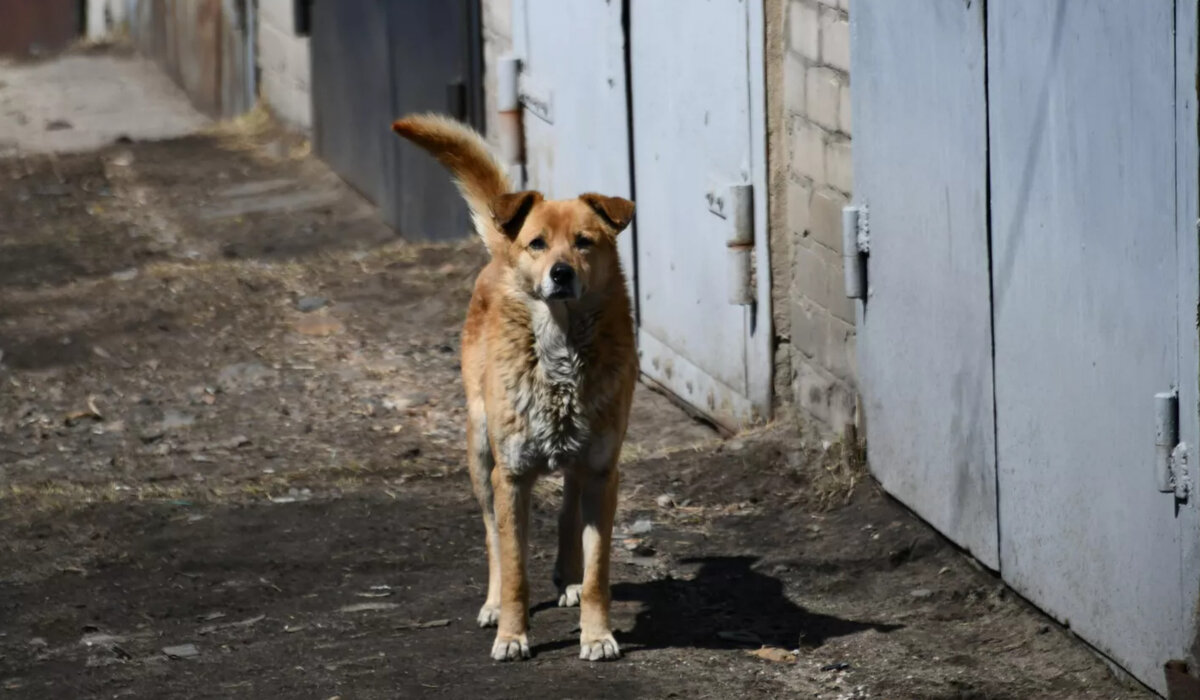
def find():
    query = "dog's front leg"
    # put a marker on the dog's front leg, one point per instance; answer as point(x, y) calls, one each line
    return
point(568, 567)
point(512, 495)
point(599, 507)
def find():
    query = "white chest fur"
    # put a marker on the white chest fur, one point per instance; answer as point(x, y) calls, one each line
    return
point(558, 418)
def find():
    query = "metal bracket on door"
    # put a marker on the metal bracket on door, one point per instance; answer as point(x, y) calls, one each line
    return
point(1170, 455)
point(738, 206)
point(856, 245)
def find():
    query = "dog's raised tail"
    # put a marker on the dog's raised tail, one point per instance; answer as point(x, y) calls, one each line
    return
point(479, 176)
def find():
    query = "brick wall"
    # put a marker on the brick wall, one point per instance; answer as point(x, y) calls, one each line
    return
point(283, 64)
point(812, 181)
point(497, 41)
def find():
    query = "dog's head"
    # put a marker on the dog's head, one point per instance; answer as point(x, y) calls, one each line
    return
point(562, 249)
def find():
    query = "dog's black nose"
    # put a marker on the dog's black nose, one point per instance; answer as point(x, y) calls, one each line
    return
point(562, 274)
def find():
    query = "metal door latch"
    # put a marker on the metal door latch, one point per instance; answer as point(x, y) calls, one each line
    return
point(856, 245)
point(1170, 455)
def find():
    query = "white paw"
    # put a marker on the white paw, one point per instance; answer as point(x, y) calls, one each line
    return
point(569, 598)
point(510, 648)
point(601, 649)
point(488, 616)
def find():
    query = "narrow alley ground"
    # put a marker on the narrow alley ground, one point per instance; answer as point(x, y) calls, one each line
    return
point(231, 466)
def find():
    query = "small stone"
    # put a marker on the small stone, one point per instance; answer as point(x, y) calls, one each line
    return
point(921, 593)
point(666, 500)
point(125, 275)
point(181, 651)
point(311, 303)
point(100, 639)
point(641, 527)
point(367, 607)
point(318, 325)
point(59, 125)
point(38, 642)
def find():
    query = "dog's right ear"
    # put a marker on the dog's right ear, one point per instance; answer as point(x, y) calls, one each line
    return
point(509, 210)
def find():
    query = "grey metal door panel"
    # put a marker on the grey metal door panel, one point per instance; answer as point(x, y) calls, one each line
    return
point(697, 116)
point(435, 66)
point(374, 60)
point(352, 94)
point(1187, 214)
point(576, 115)
point(924, 348)
point(1082, 114)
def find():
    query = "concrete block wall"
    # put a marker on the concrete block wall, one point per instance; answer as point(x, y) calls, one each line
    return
point(497, 40)
point(283, 62)
point(812, 180)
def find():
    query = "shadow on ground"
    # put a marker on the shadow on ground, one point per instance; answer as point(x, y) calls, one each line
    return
point(728, 605)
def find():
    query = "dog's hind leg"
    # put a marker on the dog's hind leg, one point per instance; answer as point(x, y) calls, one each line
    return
point(568, 568)
point(481, 462)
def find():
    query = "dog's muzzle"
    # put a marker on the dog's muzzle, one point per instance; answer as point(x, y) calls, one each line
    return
point(562, 283)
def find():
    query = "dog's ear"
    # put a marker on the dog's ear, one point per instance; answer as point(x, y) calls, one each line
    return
point(615, 211)
point(509, 210)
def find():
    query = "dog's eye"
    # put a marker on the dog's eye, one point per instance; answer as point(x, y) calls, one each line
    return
point(538, 243)
point(582, 242)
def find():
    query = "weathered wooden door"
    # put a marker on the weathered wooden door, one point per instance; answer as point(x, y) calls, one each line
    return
point(574, 97)
point(698, 155)
point(1087, 244)
point(925, 341)
point(375, 60)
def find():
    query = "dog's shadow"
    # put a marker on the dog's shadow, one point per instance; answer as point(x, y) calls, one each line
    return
point(727, 605)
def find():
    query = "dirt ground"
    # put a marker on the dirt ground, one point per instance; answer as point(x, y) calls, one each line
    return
point(231, 466)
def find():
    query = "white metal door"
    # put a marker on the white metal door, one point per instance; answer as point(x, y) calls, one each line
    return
point(576, 111)
point(1087, 256)
point(698, 130)
point(925, 341)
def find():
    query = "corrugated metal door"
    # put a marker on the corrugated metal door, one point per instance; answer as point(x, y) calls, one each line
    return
point(925, 344)
point(576, 115)
point(1086, 278)
point(698, 131)
point(374, 60)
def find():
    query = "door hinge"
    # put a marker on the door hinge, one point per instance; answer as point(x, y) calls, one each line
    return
point(856, 245)
point(1170, 454)
point(738, 206)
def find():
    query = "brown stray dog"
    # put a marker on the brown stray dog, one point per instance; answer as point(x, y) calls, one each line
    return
point(549, 366)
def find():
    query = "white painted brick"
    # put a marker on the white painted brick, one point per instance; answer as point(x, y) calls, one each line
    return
point(497, 17)
point(804, 29)
point(793, 84)
point(818, 277)
point(822, 95)
point(822, 396)
point(844, 110)
point(825, 224)
point(808, 329)
point(799, 197)
point(808, 150)
point(835, 40)
point(838, 165)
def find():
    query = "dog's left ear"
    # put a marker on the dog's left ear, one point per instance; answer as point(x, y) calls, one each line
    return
point(615, 211)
